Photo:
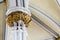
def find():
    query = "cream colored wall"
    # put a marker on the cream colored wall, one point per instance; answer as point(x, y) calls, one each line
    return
point(2, 13)
point(49, 6)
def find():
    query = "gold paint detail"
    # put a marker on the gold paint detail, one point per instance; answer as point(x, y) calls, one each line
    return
point(16, 16)
point(5, 3)
point(58, 38)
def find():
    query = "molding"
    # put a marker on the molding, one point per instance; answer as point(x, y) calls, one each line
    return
point(57, 3)
point(41, 12)
point(45, 27)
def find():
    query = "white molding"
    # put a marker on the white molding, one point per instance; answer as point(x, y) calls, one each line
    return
point(57, 3)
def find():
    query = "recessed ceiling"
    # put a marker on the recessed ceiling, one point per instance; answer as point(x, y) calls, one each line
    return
point(35, 31)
